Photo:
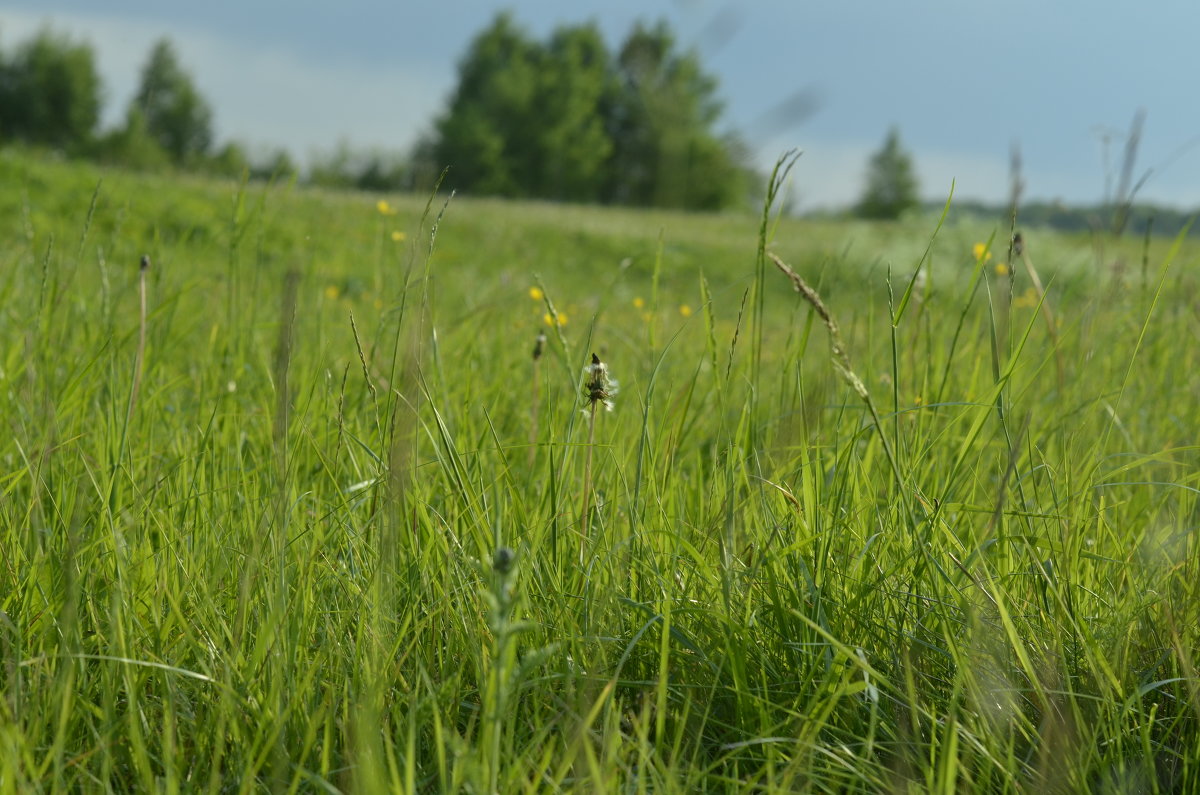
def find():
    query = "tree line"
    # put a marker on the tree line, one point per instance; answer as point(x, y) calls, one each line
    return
point(565, 118)
point(51, 96)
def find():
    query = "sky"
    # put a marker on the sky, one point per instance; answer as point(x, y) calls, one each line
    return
point(962, 81)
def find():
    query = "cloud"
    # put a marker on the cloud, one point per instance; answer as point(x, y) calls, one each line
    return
point(260, 96)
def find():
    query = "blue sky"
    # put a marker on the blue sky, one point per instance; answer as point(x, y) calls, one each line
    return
point(962, 80)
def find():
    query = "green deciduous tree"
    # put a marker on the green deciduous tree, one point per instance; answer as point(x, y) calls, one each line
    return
point(50, 93)
point(175, 115)
point(667, 152)
point(486, 133)
point(565, 119)
point(891, 185)
point(574, 94)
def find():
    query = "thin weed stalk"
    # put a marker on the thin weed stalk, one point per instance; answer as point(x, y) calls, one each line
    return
point(539, 346)
point(140, 356)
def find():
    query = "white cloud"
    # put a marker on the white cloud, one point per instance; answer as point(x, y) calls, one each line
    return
point(260, 96)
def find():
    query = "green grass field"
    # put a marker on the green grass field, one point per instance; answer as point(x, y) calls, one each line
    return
point(259, 540)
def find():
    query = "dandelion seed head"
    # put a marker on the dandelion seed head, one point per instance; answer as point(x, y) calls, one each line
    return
point(599, 387)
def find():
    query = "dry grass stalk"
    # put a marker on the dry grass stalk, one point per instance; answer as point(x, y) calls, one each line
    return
point(140, 357)
point(841, 359)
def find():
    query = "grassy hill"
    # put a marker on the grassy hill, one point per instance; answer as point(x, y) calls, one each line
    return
point(295, 508)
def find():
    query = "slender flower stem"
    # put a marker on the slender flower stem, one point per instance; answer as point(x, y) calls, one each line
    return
point(587, 482)
point(598, 390)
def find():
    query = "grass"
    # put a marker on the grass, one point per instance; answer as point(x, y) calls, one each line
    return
point(320, 551)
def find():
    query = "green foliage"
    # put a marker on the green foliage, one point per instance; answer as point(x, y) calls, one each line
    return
point(372, 169)
point(891, 187)
point(50, 93)
point(565, 119)
point(573, 92)
point(488, 133)
point(666, 154)
point(132, 145)
point(174, 113)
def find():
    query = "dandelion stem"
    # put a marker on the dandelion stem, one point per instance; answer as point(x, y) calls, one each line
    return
point(587, 482)
point(598, 390)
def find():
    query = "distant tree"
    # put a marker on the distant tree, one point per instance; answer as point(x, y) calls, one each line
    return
point(230, 161)
point(176, 116)
point(50, 93)
point(347, 167)
point(564, 119)
point(487, 135)
point(132, 145)
point(574, 95)
point(891, 185)
point(667, 152)
point(276, 165)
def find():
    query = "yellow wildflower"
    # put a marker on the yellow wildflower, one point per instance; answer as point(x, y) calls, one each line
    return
point(1026, 299)
point(638, 303)
point(398, 236)
point(549, 320)
point(384, 208)
point(1001, 269)
point(536, 293)
point(981, 252)
point(685, 310)
point(332, 292)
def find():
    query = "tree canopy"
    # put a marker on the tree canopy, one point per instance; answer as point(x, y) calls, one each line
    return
point(891, 187)
point(174, 113)
point(567, 119)
point(50, 92)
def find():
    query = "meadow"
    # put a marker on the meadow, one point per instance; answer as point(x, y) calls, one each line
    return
point(295, 507)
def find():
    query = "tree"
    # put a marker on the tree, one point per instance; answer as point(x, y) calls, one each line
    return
point(891, 185)
point(667, 152)
point(564, 119)
point(175, 115)
point(132, 145)
point(50, 93)
point(486, 134)
point(573, 96)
